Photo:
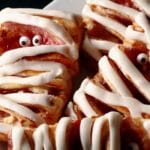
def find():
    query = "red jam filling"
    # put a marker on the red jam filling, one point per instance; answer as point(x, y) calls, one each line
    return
point(10, 34)
point(128, 3)
point(100, 32)
point(132, 133)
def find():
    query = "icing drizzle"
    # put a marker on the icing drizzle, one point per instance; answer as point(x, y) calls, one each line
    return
point(90, 133)
point(118, 29)
point(120, 95)
point(13, 64)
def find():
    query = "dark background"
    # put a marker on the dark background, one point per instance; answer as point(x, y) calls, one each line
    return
point(24, 3)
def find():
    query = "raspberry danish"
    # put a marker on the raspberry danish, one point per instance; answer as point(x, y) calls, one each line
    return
point(110, 131)
point(121, 84)
point(111, 22)
point(69, 134)
point(38, 59)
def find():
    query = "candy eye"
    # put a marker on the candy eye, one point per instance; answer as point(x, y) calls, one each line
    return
point(36, 40)
point(142, 58)
point(24, 41)
point(133, 146)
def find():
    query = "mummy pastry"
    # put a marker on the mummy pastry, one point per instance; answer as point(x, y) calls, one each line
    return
point(109, 22)
point(121, 84)
point(38, 58)
point(100, 133)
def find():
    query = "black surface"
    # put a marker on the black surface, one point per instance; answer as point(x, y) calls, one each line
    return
point(24, 3)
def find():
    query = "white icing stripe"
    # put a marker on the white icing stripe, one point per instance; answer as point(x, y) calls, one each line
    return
point(102, 44)
point(19, 139)
point(30, 98)
point(144, 23)
point(70, 111)
point(80, 99)
point(24, 111)
point(114, 128)
point(112, 78)
point(22, 65)
point(107, 22)
point(130, 71)
point(85, 133)
point(135, 35)
point(114, 120)
point(114, 99)
point(112, 5)
point(146, 125)
point(49, 25)
point(144, 5)
point(93, 47)
point(91, 133)
point(5, 128)
point(40, 12)
point(60, 136)
point(39, 79)
point(15, 54)
point(90, 48)
point(41, 138)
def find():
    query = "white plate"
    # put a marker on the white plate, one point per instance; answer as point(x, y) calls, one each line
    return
point(73, 6)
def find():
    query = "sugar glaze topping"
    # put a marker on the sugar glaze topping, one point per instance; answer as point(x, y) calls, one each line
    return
point(113, 26)
point(42, 138)
point(13, 62)
point(120, 94)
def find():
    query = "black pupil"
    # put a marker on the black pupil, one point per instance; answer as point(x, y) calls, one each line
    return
point(23, 42)
point(36, 40)
point(143, 60)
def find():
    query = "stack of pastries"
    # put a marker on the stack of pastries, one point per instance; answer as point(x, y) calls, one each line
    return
point(41, 54)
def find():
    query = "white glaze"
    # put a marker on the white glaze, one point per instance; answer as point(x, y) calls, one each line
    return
point(130, 33)
point(60, 136)
point(22, 110)
point(117, 7)
point(12, 63)
point(113, 119)
point(114, 99)
point(109, 23)
point(22, 65)
point(146, 125)
point(112, 78)
point(19, 139)
point(80, 99)
point(144, 23)
point(144, 5)
point(90, 49)
point(94, 47)
point(85, 133)
point(90, 134)
point(102, 44)
point(31, 98)
point(6, 58)
point(112, 25)
point(40, 79)
point(130, 71)
point(70, 111)
point(41, 138)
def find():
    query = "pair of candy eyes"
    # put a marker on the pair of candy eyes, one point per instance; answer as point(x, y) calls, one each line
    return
point(25, 40)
